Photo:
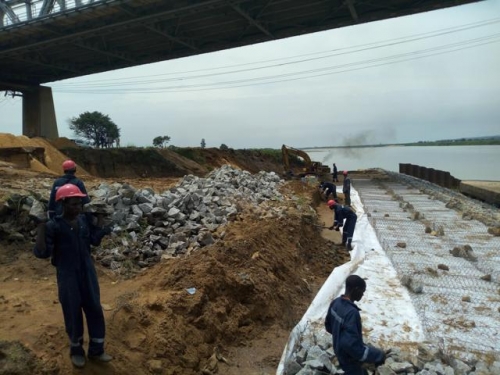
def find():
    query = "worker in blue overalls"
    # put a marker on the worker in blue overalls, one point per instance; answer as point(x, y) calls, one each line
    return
point(346, 189)
point(67, 238)
point(69, 168)
point(342, 213)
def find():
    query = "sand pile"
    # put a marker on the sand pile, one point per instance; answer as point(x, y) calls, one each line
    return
point(53, 157)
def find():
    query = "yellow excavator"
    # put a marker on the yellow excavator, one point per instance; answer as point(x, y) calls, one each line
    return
point(311, 167)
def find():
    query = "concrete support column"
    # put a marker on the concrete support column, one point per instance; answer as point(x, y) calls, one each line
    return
point(39, 115)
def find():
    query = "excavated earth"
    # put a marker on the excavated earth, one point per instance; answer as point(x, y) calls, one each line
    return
point(227, 308)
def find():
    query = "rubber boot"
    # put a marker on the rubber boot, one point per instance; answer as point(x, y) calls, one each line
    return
point(348, 246)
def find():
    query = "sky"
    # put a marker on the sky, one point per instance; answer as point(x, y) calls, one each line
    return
point(428, 76)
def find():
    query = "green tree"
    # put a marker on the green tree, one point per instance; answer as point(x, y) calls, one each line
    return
point(224, 147)
point(203, 144)
point(161, 141)
point(96, 127)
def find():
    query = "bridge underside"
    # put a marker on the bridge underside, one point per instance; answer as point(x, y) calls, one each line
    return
point(112, 34)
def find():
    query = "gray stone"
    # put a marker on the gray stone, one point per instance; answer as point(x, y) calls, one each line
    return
point(146, 207)
point(205, 238)
point(385, 370)
point(173, 212)
point(314, 364)
point(292, 368)
point(399, 367)
point(314, 352)
point(132, 226)
point(158, 211)
point(461, 368)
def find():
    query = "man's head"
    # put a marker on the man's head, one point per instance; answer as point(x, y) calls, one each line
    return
point(344, 173)
point(355, 287)
point(69, 166)
point(71, 197)
point(331, 204)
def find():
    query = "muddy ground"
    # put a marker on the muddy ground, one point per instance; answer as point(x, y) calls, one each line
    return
point(252, 287)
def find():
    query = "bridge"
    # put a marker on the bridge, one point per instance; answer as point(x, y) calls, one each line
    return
point(44, 41)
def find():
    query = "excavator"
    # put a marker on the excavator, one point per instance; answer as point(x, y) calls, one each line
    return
point(311, 167)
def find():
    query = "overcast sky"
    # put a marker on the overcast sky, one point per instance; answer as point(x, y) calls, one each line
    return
point(448, 86)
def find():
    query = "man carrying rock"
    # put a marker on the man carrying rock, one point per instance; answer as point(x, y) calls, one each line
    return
point(343, 322)
point(67, 239)
point(342, 213)
point(69, 168)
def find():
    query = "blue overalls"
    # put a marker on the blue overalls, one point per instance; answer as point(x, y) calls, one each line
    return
point(343, 322)
point(77, 279)
point(342, 213)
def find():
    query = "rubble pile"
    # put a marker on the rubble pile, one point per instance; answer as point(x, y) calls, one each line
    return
point(148, 226)
point(183, 218)
point(315, 355)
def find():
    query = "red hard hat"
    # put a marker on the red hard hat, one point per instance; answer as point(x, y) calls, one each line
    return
point(68, 165)
point(345, 172)
point(331, 203)
point(69, 191)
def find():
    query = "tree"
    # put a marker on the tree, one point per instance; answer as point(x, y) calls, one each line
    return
point(161, 141)
point(223, 147)
point(96, 127)
point(203, 144)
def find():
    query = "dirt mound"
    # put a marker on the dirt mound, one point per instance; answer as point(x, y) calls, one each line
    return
point(53, 158)
point(256, 278)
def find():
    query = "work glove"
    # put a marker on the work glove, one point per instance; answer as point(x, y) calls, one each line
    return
point(331, 228)
point(337, 229)
point(382, 361)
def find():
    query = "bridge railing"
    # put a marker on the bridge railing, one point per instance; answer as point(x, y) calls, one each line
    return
point(17, 11)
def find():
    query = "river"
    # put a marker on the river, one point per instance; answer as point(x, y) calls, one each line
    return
point(463, 162)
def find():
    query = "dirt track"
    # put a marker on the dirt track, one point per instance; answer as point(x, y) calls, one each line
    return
point(251, 288)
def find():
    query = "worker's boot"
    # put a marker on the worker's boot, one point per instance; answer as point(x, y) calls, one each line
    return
point(348, 246)
point(104, 357)
point(78, 360)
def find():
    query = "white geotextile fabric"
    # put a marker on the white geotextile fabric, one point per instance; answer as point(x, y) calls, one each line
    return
point(387, 311)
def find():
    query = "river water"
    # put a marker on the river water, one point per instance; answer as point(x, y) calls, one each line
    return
point(463, 162)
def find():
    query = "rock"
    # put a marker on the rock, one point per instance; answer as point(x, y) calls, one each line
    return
point(401, 245)
point(486, 277)
point(15, 236)
point(155, 366)
point(466, 298)
point(413, 285)
point(292, 367)
point(443, 267)
point(428, 229)
point(494, 231)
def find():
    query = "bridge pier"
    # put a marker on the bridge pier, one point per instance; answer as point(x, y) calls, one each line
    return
point(39, 115)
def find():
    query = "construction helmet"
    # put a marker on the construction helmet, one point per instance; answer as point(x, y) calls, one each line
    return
point(68, 165)
point(68, 191)
point(331, 203)
point(344, 173)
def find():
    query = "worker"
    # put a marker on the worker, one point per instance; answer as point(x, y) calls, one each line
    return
point(346, 189)
point(343, 322)
point(67, 239)
point(69, 169)
point(327, 188)
point(335, 173)
point(342, 213)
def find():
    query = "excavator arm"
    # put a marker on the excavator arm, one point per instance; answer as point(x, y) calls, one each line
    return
point(286, 150)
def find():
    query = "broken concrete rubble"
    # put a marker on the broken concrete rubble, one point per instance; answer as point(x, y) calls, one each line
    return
point(147, 225)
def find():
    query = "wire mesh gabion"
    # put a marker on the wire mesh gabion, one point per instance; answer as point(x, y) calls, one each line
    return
point(460, 302)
